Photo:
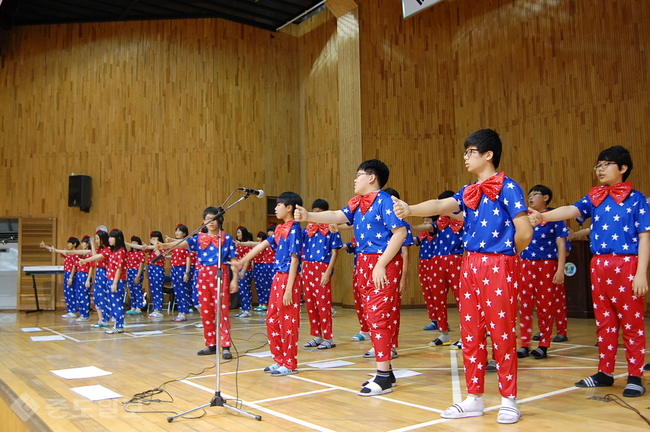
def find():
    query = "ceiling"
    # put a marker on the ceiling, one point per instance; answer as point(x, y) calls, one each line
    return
point(265, 14)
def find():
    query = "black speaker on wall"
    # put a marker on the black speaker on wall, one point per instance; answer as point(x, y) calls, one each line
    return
point(79, 192)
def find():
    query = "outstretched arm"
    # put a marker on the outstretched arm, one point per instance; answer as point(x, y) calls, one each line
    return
point(426, 208)
point(560, 213)
point(243, 262)
point(330, 216)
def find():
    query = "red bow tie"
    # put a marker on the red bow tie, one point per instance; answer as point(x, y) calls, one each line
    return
point(490, 187)
point(619, 192)
point(313, 228)
point(365, 201)
point(445, 221)
point(284, 229)
point(425, 235)
point(206, 239)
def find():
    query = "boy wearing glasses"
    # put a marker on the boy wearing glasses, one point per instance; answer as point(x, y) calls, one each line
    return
point(496, 229)
point(620, 243)
point(541, 270)
point(379, 235)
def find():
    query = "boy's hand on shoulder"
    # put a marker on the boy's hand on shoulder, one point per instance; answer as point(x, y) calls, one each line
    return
point(400, 208)
point(300, 214)
point(534, 217)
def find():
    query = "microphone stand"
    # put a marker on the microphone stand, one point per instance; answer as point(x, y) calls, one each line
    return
point(217, 399)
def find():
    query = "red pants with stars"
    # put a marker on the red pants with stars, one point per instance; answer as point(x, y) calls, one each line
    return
point(283, 322)
point(537, 289)
point(488, 302)
point(380, 306)
point(446, 275)
point(616, 307)
point(560, 314)
point(318, 298)
point(425, 273)
point(207, 288)
point(358, 301)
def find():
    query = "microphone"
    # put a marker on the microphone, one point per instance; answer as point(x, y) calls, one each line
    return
point(258, 192)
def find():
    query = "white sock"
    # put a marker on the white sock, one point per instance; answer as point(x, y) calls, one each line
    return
point(472, 403)
point(444, 337)
point(318, 339)
point(508, 402)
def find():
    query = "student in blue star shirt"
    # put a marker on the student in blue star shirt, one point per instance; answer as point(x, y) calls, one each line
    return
point(496, 229)
point(541, 271)
point(283, 315)
point(319, 257)
point(380, 236)
point(206, 245)
point(620, 244)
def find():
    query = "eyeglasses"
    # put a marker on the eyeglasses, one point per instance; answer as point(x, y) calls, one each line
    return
point(468, 153)
point(603, 165)
point(359, 174)
point(533, 194)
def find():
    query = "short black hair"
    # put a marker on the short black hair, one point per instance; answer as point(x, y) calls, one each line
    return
point(158, 236)
point(74, 241)
point(544, 190)
point(103, 238)
point(119, 240)
point(245, 234)
point(486, 140)
point(271, 227)
point(262, 235)
point(289, 199)
point(182, 228)
point(392, 192)
point(378, 168)
point(136, 240)
point(210, 210)
point(321, 204)
point(446, 194)
point(620, 155)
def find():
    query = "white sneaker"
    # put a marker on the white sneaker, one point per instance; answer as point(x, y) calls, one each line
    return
point(155, 314)
point(69, 315)
point(243, 314)
point(82, 319)
point(199, 325)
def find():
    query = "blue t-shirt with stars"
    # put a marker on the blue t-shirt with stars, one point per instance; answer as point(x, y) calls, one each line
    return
point(615, 227)
point(373, 230)
point(284, 248)
point(544, 242)
point(210, 255)
point(428, 247)
point(490, 228)
point(319, 247)
point(447, 242)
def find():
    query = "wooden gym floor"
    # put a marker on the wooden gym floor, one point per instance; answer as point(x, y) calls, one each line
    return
point(314, 399)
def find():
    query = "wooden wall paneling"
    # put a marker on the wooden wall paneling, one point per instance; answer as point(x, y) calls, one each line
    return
point(167, 117)
point(31, 231)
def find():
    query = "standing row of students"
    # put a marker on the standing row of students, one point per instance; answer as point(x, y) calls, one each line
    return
point(493, 268)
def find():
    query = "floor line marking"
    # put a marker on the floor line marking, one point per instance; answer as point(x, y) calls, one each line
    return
point(265, 410)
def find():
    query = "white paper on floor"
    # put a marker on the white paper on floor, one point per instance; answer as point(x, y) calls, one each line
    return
point(136, 325)
point(402, 373)
point(47, 338)
point(30, 329)
point(82, 372)
point(96, 392)
point(146, 333)
point(260, 354)
point(330, 364)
